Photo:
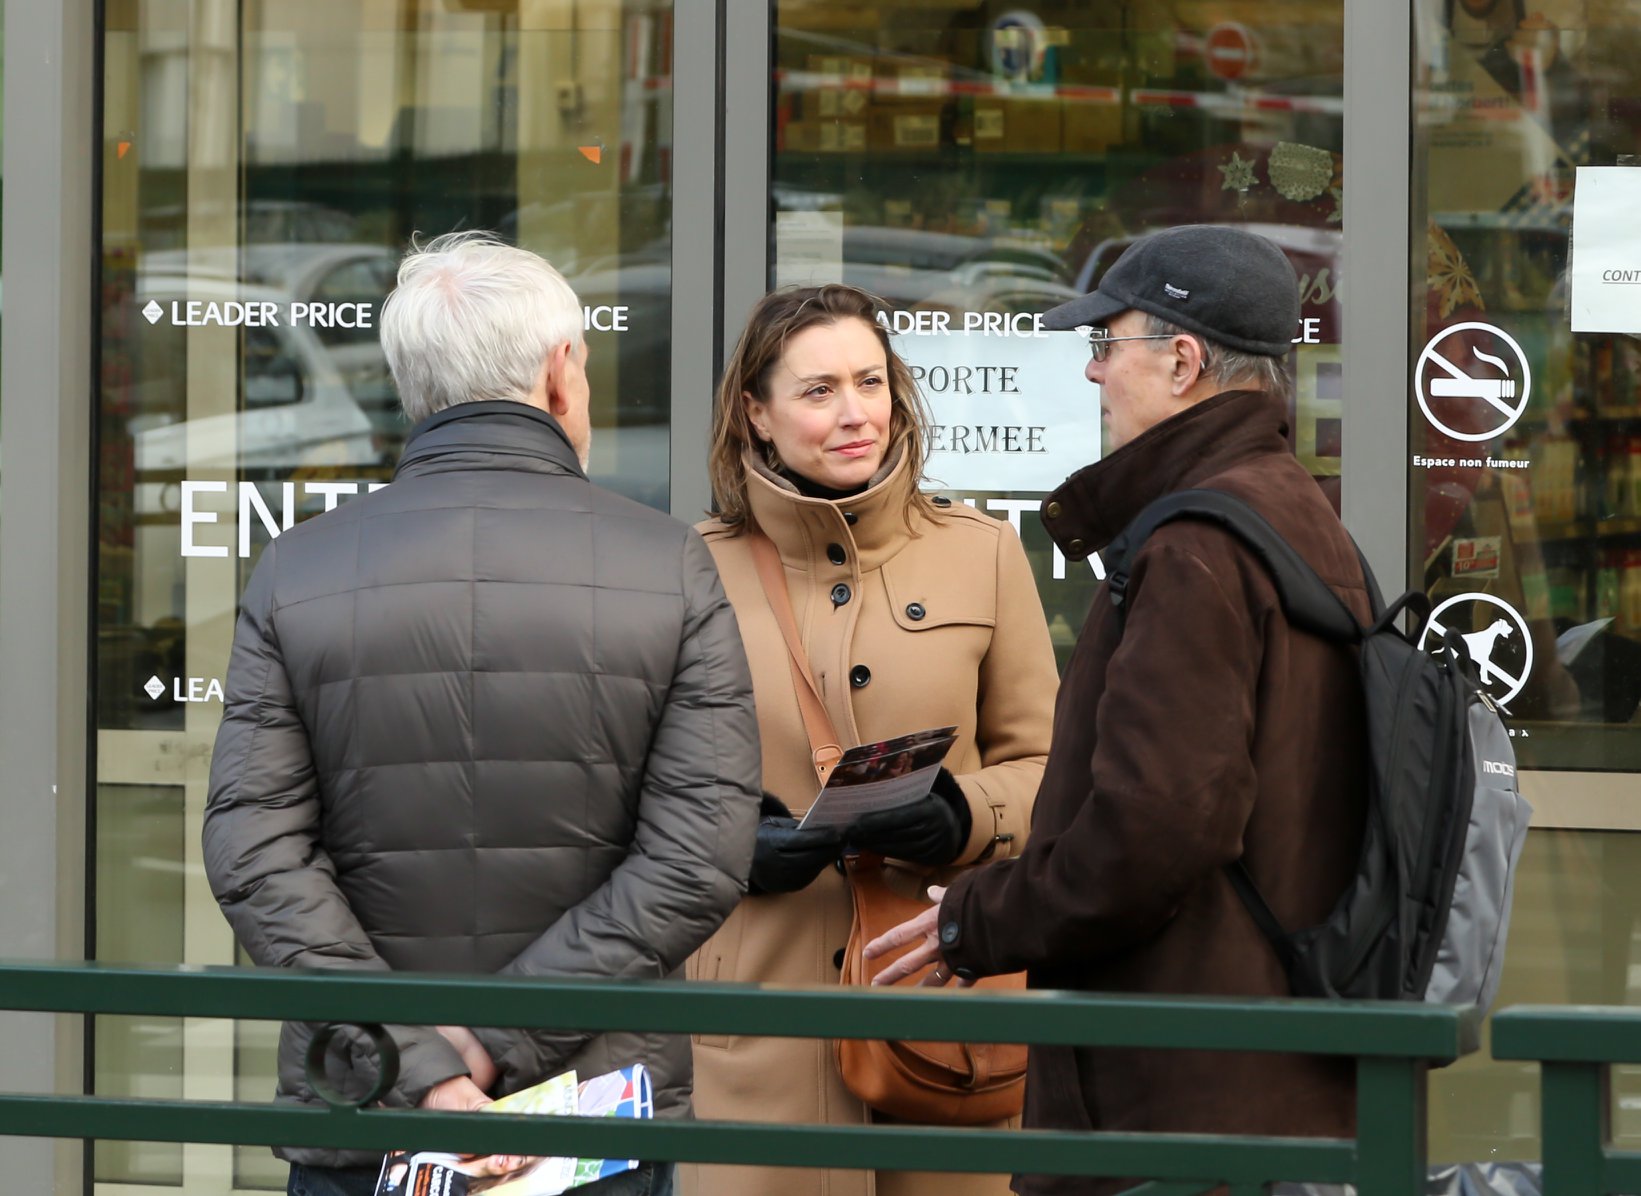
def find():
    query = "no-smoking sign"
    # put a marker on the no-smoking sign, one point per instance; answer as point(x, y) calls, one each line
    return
point(1473, 381)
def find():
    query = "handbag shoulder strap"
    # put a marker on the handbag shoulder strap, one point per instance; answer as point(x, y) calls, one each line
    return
point(824, 748)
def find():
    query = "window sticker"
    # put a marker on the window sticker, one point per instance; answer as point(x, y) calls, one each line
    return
point(1498, 640)
point(1606, 260)
point(1473, 381)
point(1477, 556)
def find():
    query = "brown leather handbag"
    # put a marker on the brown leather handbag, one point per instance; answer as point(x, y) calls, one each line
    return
point(934, 1083)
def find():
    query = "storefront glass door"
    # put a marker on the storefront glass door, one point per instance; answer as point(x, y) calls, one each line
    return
point(1524, 483)
point(976, 163)
point(276, 156)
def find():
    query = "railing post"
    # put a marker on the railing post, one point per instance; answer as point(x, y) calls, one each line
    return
point(1576, 1118)
point(1390, 1126)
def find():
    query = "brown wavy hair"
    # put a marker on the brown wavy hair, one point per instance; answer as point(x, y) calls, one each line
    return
point(778, 316)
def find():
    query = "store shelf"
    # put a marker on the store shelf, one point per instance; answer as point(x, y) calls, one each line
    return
point(956, 155)
point(1587, 529)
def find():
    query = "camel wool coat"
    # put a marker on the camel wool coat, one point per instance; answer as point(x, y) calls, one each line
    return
point(942, 627)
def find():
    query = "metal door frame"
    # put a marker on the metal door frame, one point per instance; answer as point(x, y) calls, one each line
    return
point(722, 114)
point(48, 470)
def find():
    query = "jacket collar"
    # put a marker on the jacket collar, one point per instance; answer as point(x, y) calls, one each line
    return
point(1094, 504)
point(871, 525)
point(492, 434)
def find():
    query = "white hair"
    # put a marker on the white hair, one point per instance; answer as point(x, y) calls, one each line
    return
point(473, 318)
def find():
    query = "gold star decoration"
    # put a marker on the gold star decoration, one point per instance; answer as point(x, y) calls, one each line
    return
point(1239, 175)
point(1449, 275)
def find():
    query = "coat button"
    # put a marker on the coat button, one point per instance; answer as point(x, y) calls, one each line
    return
point(850, 518)
point(915, 611)
point(1076, 549)
point(835, 554)
point(840, 594)
point(860, 676)
point(949, 934)
point(1052, 511)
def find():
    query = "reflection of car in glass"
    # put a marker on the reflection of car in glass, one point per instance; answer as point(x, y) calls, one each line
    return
point(919, 249)
point(354, 272)
point(1314, 253)
point(265, 220)
point(574, 231)
point(630, 373)
point(295, 410)
point(644, 347)
point(915, 268)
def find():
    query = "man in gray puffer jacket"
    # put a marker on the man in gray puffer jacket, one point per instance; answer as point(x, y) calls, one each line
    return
point(490, 718)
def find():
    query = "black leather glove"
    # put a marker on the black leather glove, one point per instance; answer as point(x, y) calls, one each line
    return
point(785, 859)
point(930, 831)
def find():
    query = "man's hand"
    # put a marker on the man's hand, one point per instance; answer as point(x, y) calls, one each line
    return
point(923, 930)
point(458, 1094)
point(480, 1066)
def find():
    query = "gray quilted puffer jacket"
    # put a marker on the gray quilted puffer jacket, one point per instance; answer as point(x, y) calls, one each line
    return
point(490, 718)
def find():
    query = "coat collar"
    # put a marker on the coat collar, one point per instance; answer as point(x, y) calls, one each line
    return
point(1094, 504)
point(871, 526)
point(492, 434)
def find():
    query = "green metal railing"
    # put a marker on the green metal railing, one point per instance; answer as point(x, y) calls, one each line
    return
point(1393, 1043)
point(1576, 1047)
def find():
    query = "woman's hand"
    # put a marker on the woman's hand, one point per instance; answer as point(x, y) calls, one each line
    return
point(930, 831)
point(924, 931)
point(784, 858)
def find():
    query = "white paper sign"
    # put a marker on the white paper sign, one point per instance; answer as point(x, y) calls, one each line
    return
point(808, 248)
point(1606, 268)
point(1008, 412)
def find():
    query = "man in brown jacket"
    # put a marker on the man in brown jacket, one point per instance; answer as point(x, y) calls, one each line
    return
point(1205, 732)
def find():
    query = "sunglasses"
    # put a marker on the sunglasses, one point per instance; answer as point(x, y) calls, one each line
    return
point(1099, 339)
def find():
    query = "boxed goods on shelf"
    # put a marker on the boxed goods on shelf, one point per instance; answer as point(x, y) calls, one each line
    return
point(1017, 124)
point(831, 87)
point(906, 126)
point(824, 137)
point(1091, 120)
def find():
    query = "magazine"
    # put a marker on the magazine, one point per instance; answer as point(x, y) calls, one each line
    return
point(880, 776)
point(624, 1093)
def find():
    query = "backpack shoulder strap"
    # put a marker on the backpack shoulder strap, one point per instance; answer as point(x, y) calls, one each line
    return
point(1308, 601)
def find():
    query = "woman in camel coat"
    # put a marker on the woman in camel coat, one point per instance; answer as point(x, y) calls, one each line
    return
point(915, 613)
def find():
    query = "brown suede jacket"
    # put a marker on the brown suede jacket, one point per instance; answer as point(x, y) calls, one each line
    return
point(1206, 731)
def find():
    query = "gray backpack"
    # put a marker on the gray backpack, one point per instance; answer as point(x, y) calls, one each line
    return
point(1426, 916)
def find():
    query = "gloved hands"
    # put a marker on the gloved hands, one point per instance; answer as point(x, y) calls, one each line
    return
point(785, 859)
point(930, 831)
